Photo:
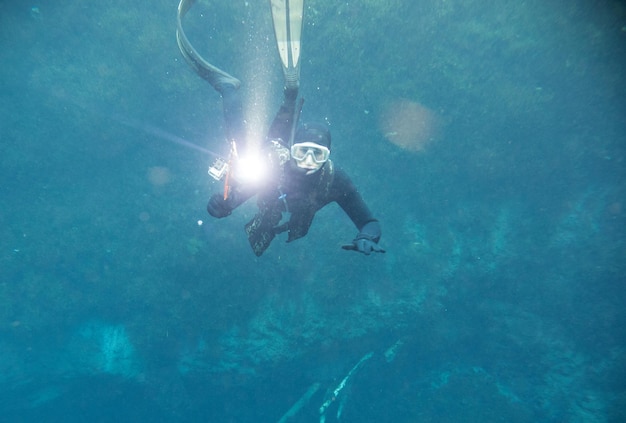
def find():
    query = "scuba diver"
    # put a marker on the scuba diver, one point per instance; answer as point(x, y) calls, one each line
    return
point(301, 177)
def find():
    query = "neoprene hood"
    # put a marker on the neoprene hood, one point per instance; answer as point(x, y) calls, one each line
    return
point(313, 132)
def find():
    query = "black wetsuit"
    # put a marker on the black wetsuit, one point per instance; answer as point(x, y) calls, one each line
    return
point(289, 200)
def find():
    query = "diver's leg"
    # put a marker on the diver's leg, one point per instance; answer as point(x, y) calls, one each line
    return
point(233, 113)
point(218, 79)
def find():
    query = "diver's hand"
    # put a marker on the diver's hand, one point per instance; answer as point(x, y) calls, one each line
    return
point(218, 207)
point(363, 245)
point(366, 241)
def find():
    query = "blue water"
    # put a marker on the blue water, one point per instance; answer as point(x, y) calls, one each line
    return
point(487, 137)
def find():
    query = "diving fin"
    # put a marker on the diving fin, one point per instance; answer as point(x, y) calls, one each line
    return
point(287, 17)
point(214, 75)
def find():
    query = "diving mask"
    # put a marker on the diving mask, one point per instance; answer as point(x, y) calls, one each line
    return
point(318, 153)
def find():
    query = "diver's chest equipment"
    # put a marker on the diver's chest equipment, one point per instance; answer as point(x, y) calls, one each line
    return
point(278, 153)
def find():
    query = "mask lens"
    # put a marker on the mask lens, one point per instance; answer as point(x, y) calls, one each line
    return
point(299, 152)
point(318, 153)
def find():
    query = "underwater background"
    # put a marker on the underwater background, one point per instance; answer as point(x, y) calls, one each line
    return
point(488, 137)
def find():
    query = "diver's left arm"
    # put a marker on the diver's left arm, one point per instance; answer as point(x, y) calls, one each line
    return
point(349, 199)
point(220, 207)
point(284, 120)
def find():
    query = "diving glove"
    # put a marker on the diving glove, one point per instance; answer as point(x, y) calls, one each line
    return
point(366, 241)
point(218, 207)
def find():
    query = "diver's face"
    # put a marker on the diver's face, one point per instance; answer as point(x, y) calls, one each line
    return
point(309, 165)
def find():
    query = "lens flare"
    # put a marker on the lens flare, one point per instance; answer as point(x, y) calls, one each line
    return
point(159, 176)
point(409, 125)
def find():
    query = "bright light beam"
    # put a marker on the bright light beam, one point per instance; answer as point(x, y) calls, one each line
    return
point(164, 135)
